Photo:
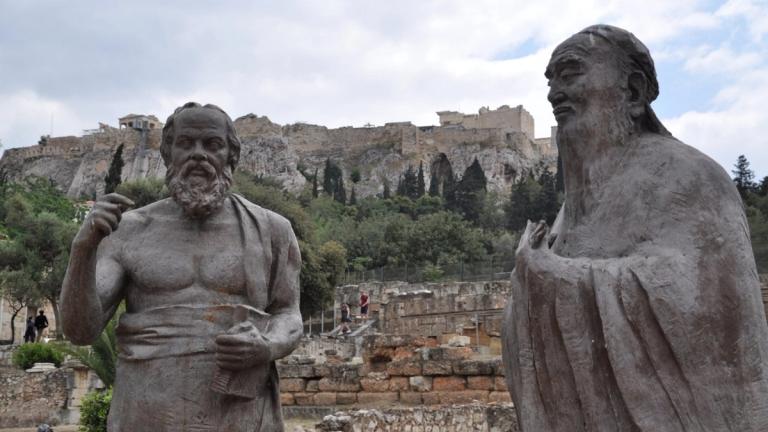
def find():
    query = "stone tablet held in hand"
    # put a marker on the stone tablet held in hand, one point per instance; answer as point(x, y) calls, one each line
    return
point(211, 287)
point(640, 308)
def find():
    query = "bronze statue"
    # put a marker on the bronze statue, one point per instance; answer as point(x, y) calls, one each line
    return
point(640, 310)
point(210, 284)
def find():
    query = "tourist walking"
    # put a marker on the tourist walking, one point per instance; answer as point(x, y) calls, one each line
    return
point(41, 323)
point(345, 318)
point(363, 305)
point(29, 335)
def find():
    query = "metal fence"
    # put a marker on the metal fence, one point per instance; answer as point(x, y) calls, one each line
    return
point(493, 268)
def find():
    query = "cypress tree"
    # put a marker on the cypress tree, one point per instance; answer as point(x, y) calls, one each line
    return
point(469, 192)
point(314, 185)
point(353, 197)
point(386, 194)
point(420, 186)
point(434, 185)
point(115, 168)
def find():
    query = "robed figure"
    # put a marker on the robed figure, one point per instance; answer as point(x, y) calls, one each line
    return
point(640, 309)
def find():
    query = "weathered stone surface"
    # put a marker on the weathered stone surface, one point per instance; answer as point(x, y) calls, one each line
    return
point(463, 396)
point(420, 383)
point(473, 367)
point(323, 398)
point(437, 367)
point(365, 398)
point(287, 399)
point(374, 385)
point(459, 341)
point(404, 368)
point(292, 385)
point(398, 384)
point(339, 385)
point(344, 398)
point(410, 398)
point(499, 396)
point(500, 383)
point(304, 398)
point(480, 383)
point(296, 371)
point(313, 385)
point(46, 392)
point(449, 383)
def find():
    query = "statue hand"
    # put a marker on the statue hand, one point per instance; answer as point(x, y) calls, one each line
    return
point(242, 347)
point(103, 218)
point(532, 236)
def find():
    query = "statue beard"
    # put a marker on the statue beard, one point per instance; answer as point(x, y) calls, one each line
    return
point(591, 147)
point(198, 196)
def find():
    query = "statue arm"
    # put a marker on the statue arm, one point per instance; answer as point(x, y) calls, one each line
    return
point(92, 287)
point(285, 326)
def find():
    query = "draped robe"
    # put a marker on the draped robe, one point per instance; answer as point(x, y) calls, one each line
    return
point(646, 313)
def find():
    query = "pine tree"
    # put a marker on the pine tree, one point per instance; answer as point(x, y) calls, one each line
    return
point(470, 191)
point(420, 186)
point(314, 185)
point(386, 194)
point(518, 208)
point(115, 168)
point(744, 177)
point(353, 197)
point(434, 185)
point(546, 204)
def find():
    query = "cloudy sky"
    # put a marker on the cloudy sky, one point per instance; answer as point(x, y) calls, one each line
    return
point(67, 65)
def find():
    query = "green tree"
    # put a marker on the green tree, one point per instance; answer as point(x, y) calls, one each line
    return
point(143, 191)
point(19, 290)
point(470, 192)
point(355, 176)
point(743, 176)
point(115, 168)
point(333, 181)
point(420, 186)
point(547, 204)
point(386, 194)
point(408, 184)
point(443, 238)
point(353, 197)
point(333, 260)
point(434, 185)
point(520, 205)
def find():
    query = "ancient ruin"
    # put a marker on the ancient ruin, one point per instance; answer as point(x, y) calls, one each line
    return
point(502, 140)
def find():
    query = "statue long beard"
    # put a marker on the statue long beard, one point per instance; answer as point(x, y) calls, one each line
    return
point(591, 147)
point(199, 197)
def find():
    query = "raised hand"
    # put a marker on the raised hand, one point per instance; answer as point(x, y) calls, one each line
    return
point(104, 218)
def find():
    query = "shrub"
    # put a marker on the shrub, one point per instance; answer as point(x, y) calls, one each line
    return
point(29, 354)
point(432, 273)
point(94, 411)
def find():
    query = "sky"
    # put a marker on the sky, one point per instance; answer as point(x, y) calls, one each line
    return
point(66, 66)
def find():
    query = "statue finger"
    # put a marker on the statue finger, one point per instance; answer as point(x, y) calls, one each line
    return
point(120, 200)
point(102, 226)
point(110, 218)
point(230, 340)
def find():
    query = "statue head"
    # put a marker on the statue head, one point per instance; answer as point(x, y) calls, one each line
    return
point(200, 149)
point(603, 76)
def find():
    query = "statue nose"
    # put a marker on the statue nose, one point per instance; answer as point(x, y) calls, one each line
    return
point(198, 153)
point(556, 97)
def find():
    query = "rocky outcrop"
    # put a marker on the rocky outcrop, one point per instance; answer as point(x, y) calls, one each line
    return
point(381, 154)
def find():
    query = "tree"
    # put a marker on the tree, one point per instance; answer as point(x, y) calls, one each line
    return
point(408, 184)
point(546, 205)
point(386, 194)
point(314, 185)
point(744, 177)
point(20, 291)
point(355, 176)
point(519, 206)
point(470, 192)
point(333, 181)
point(420, 186)
point(143, 191)
point(434, 185)
point(115, 169)
point(353, 197)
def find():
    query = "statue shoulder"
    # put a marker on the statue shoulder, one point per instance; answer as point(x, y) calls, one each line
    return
point(139, 218)
point(278, 224)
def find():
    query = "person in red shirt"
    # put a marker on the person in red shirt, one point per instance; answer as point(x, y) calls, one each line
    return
point(364, 305)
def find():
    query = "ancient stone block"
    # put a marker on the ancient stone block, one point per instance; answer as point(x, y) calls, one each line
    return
point(325, 398)
point(458, 353)
point(480, 383)
point(287, 399)
point(464, 396)
point(404, 368)
point(420, 383)
point(366, 398)
point(304, 398)
point(398, 384)
point(374, 385)
point(345, 398)
point(292, 385)
point(312, 385)
point(338, 385)
point(473, 367)
point(500, 383)
point(410, 398)
point(295, 371)
point(499, 396)
point(459, 341)
point(437, 367)
point(430, 398)
point(448, 383)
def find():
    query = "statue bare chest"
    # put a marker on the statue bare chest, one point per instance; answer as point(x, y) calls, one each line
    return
point(176, 260)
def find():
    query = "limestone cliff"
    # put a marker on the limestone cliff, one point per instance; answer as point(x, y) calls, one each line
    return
point(79, 164)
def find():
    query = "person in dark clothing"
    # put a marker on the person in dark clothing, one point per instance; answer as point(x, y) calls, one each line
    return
point(29, 335)
point(41, 323)
point(364, 305)
point(345, 318)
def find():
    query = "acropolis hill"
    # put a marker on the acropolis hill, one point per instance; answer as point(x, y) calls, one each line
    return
point(502, 140)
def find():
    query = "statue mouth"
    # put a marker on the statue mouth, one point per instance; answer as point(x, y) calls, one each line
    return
point(561, 111)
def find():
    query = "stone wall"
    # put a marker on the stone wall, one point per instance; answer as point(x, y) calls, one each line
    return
point(396, 370)
point(473, 309)
point(27, 399)
point(458, 418)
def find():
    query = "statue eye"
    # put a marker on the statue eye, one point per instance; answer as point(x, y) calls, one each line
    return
point(183, 142)
point(214, 144)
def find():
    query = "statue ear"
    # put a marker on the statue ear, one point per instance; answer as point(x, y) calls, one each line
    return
point(638, 92)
